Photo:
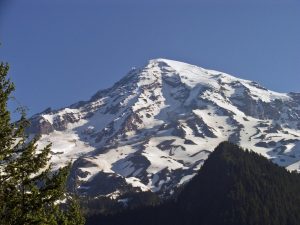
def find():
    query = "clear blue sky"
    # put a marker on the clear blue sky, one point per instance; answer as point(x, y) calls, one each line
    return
point(62, 51)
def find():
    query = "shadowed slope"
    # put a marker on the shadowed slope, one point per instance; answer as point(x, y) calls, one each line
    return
point(234, 186)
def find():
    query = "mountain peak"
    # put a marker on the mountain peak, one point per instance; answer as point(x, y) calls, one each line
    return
point(166, 61)
point(155, 127)
point(175, 65)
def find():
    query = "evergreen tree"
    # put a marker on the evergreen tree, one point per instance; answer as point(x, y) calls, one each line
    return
point(30, 193)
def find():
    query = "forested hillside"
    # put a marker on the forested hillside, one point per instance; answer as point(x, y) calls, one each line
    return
point(233, 187)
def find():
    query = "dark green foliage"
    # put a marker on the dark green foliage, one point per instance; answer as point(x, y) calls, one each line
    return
point(105, 205)
point(234, 187)
point(241, 187)
point(137, 199)
point(29, 192)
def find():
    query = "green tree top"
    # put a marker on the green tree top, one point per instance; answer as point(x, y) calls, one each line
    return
point(30, 192)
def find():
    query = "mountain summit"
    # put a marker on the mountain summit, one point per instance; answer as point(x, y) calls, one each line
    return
point(155, 127)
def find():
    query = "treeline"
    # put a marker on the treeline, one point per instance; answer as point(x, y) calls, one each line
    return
point(103, 205)
point(234, 187)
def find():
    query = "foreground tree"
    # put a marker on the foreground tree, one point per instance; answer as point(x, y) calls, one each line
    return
point(30, 193)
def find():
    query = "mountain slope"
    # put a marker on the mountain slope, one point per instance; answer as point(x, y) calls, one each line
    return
point(154, 128)
point(233, 187)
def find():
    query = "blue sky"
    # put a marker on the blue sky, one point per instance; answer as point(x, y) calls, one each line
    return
point(62, 51)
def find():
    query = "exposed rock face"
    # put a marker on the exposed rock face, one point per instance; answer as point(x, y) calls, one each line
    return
point(155, 127)
point(200, 128)
point(39, 125)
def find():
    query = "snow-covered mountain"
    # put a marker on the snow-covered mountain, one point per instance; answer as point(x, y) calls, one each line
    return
point(154, 128)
